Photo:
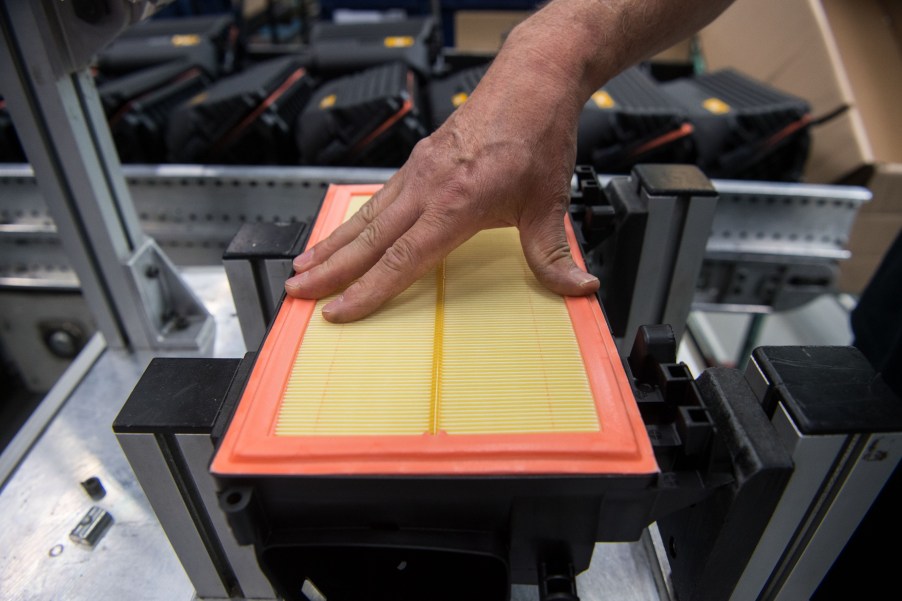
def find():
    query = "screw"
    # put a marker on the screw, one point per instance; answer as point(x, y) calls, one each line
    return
point(62, 344)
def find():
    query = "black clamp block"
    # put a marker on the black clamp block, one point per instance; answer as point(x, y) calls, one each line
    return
point(673, 180)
point(827, 389)
point(710, 542)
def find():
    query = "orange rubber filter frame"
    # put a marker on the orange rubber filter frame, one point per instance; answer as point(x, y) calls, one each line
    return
point(617, 444)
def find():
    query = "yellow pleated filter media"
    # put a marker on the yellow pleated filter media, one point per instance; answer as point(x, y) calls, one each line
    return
point(477, 346)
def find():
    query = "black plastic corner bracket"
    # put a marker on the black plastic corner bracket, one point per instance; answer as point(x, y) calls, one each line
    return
point(709, 543)
point(653, 345)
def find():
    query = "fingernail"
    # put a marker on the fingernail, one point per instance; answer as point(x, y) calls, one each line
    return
point(333, 305)
point(584, 279)
point(298, 280)
point(303, 260)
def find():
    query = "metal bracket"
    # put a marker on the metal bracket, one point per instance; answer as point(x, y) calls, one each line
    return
point(174, 317)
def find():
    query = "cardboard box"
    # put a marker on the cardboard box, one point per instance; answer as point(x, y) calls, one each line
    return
point(875, 232)
point(857, 272)
point(845, 58)
point(680, 52)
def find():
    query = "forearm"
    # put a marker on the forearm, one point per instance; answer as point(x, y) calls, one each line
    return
point(581, 44)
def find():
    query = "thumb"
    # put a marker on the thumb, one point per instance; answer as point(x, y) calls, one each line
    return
point(547, 252)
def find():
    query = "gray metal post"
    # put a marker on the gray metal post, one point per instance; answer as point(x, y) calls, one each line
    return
point(665, 214)
point(65, 135)
point(843, 427)
point(257, 262)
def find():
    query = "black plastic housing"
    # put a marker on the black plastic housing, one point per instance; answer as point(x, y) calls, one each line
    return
point(246, 118)
point(343, 48)
point(448, 93)
point(395, 537)
point(210, 41)
point(138, 106)
point(744, 129)
point(371, 118)
point(630, 120)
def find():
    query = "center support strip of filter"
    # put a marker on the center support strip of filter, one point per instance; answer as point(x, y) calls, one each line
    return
point(438, 343)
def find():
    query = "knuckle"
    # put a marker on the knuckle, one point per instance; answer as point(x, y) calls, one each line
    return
point(325, 248)
point(435, 220)
point(441, 223)
point(461, 201)
point(556, 254)
point(370, 236)
point(368, 212)
point(400, 256)
point(457, 188)
point(427, 156)
point(423, 147)
point(326, 276)
point(551, 252)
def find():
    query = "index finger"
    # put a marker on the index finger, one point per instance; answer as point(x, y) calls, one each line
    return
point(345, 233)
point(412, 256)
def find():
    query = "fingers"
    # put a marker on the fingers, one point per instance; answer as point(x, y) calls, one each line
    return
point(350, 229)
point(356, 257)
point(547, 252)
point(411, 257)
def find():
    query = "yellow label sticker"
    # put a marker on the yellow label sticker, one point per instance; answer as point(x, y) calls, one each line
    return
point(190, 39)
point(716, 106)
point(398, 41)
point(459, 98)
point(328, 101)
point(603, 100)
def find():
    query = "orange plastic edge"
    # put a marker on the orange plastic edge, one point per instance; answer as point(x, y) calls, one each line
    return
point(250, 446)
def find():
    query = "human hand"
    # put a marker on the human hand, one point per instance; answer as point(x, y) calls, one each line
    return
point(505, 158)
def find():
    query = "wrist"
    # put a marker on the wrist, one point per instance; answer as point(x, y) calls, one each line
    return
point(570, 44)
point(530, 75)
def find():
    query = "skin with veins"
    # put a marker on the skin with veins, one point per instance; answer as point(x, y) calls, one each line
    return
point(504, 158)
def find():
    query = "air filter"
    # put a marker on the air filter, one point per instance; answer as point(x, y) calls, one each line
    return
point(243, 119)
point(629, 121)
point(371, 119)
point(448, 93)
point(743, 128)
point(138, 107)
point(476, 424)
point(342, 48)
point(476, 369)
